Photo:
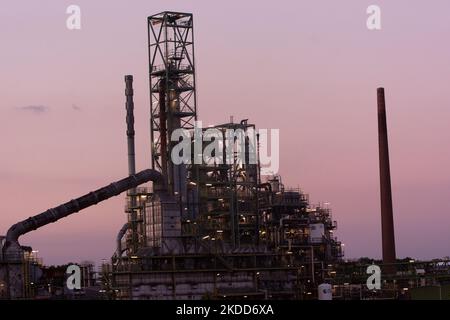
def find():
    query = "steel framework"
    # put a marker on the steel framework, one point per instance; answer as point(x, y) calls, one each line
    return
point(173, 102)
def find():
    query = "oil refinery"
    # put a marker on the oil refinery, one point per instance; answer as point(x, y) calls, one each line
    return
point(216, 230)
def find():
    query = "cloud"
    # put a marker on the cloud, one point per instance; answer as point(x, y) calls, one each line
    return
point(36, 109)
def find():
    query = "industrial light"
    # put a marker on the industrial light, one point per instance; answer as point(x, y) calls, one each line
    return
point(205, 237)
point(134, 257)
point(209, 185)
point(192, 183)
point(219, 231)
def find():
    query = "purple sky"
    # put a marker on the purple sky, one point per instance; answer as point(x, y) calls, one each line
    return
point(309, 68)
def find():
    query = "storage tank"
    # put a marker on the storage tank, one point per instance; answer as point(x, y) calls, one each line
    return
point(325, 292)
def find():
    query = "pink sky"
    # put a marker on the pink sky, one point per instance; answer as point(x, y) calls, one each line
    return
point(309, 68)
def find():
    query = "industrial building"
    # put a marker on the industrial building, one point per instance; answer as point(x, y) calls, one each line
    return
point(212, 227)
point(220, 230)
point(204, 229)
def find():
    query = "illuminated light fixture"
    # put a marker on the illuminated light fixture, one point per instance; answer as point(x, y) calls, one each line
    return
point(134, 257)
point(192, 183)
point(219, 231)
point(205, 237)
point(209, 185)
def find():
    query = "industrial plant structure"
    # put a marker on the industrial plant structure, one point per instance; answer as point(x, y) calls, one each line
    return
point(203, 230)
point(221, 231)
point(212, 228)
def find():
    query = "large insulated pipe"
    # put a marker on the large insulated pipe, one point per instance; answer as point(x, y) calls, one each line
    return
point(387, 218)
point(78, 204)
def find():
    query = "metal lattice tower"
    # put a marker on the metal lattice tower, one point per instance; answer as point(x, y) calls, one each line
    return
point(172, 87)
